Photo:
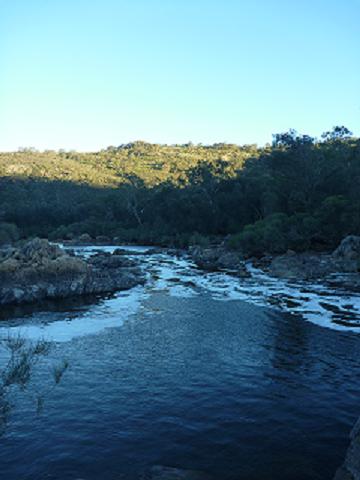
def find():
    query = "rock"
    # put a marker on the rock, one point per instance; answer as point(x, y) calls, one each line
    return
point(349, 248)
point(37, 249)
point(302, 266)
point(67, 264)
point(85, 238)
point(337, 269)
point(218, 258)
point(263, 262)
point(154, 251)
point(40, 270)
point(160, 472)
point(350, 470)
point(120, 251)
point(10, 265)
point(105, 260)
point(309, 266)
point(228, 260)
point(206, 258)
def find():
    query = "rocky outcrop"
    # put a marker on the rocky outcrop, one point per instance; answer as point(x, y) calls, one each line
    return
point(218, 258)
point(302, 266)
point(350, 470)
point(40, 270)
point(312, 266)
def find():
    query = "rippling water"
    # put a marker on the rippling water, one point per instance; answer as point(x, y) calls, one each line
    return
point(172, 374)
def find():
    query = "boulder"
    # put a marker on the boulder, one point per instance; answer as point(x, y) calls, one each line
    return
point(349, 248)
point(9, 266)
point(228, 260)
point(218, 258)
point(206, 258)
point(37, 249)
point(305, 266)
point(85, 238)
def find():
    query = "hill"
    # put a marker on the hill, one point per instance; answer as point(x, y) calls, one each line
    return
point(298, 193)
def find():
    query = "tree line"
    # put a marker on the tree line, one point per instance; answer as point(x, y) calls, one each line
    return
point(298, 193)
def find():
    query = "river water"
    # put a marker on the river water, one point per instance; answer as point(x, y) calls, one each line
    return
point(240, 379)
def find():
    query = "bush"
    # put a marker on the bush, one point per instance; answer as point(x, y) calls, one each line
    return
point(276, 234)
point(268, 235)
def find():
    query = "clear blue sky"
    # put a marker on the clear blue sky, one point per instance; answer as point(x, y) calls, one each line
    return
point(86, 74)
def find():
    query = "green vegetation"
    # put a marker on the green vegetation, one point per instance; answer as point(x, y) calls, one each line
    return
point(22, 357)
point(298, 193)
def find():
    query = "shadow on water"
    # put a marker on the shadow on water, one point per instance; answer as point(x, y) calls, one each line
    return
point(71, 305)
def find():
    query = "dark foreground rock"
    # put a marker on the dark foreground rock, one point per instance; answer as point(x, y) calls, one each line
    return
point(39, 270)
point(160, 472)
point(350, 470)
point(218, 258)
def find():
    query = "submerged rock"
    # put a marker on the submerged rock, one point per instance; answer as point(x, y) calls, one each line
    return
point(40, 270)
point(160, 472)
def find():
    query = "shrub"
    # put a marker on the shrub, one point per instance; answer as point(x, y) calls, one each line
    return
point(22, 357)
point(276, 234)
point(268, 235)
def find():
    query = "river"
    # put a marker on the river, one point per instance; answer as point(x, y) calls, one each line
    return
point(233, 377)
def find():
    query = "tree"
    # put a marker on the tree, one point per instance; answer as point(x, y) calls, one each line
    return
point(291, 139)
point(337, 133)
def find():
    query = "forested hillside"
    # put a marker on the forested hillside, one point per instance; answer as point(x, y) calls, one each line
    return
point(298, 193)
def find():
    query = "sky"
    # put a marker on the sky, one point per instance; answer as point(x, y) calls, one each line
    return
point(87, 74)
